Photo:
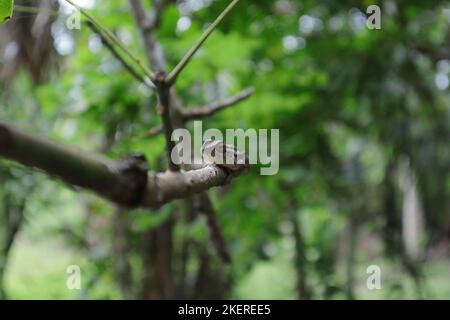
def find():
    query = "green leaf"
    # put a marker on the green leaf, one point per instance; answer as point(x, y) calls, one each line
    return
point(6, 9)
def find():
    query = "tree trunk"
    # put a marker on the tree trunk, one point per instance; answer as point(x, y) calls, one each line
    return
point(303, 292)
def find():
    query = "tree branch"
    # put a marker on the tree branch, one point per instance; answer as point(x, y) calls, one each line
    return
point(206, 208)
point(171, 113)
point(35, 10)
point(159, 5)
point(110, 46)
point(153, 50)
point(164, 106)
point(207, 111)
point(108, 34)
point(126, 183)
point(185, 60)
point(156, 59)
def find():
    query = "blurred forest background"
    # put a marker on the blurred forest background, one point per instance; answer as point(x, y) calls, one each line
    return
point(364, 118)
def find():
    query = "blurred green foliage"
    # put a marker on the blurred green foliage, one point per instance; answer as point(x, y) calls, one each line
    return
point(350, 103)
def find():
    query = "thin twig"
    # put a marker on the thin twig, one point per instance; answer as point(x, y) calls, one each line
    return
point(35, 10)
point(207, 111)
point(185, 60)
point(114, 39)
point(107, 43)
